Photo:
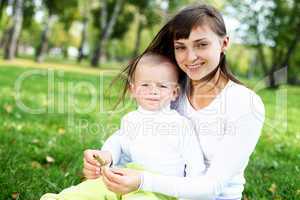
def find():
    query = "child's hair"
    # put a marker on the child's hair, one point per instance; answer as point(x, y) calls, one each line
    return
point(127, 75)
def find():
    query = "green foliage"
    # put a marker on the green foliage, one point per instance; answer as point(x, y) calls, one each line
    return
point(56, 7)
point(69, 15)
point(149, 11)
point(3, 4)
point(29, 10)
point(273, 25)
point(30, 34)
point(122, 26)
point(122, 23)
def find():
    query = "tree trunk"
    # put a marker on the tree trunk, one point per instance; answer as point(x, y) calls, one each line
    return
point(14, 31)
point(271, 75)
point(43, 46)
point(283, 60)
point(291, 48)
point(65, 51)
point(83, 40)
point(292, 77)
point(105, 34)
point(103, 23)
point(4, 39)
point(262, 58)
point(17, 48)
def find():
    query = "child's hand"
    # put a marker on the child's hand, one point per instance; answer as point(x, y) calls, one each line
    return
point(91, 167)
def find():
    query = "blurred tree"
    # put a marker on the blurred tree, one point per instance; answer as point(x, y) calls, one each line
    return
point(30, 33)
point(4, 32)
point(84, 9)
point(54, 8)
point(176, 5)
point(106, 25)
point(28, 14)
point(147, 16)
point(272, 27)
point(14, 30)
point(67, 17)
point(3, 4)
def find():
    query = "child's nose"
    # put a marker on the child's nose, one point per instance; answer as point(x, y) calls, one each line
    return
point(154, 90)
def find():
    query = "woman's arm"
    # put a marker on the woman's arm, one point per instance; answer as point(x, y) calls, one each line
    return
point(230, 159)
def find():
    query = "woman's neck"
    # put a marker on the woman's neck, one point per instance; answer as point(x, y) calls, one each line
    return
point(218, 82)
point(202, 93)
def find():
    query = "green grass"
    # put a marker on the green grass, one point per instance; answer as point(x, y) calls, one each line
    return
point(27, 139)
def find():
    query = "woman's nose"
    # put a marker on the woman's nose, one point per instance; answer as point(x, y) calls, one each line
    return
point(191, 55)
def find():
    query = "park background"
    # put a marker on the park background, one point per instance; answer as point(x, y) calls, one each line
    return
point(57, 61)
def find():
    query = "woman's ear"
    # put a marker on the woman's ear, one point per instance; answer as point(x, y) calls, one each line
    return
point(225, 44)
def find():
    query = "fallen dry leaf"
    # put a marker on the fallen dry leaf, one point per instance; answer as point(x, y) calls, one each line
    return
point(36, 165)
point(273, 188)
point(15, 195)
point(8, 108)
point(61, 131)
point(50, 159)
point(35, 141)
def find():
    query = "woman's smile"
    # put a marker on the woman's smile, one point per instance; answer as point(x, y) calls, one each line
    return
point(194, 68)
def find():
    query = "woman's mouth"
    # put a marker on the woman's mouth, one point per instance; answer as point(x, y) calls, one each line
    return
point(195, 66)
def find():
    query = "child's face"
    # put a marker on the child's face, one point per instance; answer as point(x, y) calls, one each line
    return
point(154, 86)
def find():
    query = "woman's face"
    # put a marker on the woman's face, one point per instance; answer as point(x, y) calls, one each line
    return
point(199, 54)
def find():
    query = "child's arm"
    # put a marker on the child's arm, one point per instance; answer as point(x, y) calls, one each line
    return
point(113, 145)
point(118, 145)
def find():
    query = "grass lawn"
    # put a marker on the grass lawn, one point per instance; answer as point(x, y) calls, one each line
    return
point(45, 127)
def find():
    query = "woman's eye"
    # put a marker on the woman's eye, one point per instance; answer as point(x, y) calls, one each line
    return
point(179, 48)
point(201, 45)
point(144, 84)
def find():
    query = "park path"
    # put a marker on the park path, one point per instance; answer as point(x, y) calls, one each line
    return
point(27, 63)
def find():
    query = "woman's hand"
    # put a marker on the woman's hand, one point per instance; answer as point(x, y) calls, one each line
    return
point(91, 167)
point(121, 181)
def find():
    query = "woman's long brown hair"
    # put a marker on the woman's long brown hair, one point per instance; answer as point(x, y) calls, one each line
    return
point(179, 27)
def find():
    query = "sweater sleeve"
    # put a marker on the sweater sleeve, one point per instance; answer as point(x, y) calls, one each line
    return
point(113, 145)
point(230, 158)
point(118, 143)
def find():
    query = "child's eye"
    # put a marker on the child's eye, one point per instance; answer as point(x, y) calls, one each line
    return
point(163, 86)
point(144, 84)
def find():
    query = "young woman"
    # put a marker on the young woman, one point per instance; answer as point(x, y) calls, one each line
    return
point(227, 116)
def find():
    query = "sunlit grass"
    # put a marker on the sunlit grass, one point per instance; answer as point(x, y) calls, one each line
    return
point(43, 152)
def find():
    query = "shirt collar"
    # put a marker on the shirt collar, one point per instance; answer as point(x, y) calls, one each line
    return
point(164, 109)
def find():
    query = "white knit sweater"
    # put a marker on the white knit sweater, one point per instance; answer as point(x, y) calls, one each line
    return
point(228, 129)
